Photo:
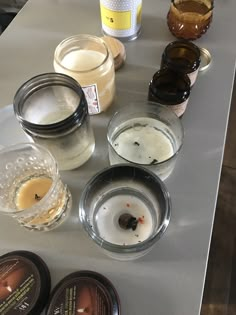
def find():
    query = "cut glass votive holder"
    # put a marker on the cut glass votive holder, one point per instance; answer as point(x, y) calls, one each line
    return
point(125, 210)
point(31, 190)
point(145, 134)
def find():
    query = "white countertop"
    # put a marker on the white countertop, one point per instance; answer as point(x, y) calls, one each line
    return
point(170, 279)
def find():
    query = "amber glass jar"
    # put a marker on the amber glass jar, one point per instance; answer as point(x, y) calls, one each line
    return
point(171, 89)
point(183, 57)
point(189, 19)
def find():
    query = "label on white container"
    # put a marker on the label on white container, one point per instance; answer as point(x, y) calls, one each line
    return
point(91, 94)
point(179, 109)
point(193, 76)
point(121, 18)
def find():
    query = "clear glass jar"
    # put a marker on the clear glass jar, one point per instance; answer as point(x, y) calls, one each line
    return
point(52, 109)
point(120, 192)
point(88, 60)
point(31, 189)
point(189, 19)
point(184, 57)
point(171, 89)
point(145, 134)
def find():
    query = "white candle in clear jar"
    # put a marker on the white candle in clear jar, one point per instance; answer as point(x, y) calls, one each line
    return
point(93, 69)
point(143, 141)
point(107, 220)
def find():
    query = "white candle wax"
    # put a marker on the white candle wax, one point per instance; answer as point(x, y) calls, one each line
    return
point(95, 73)
point(144, 142)
point(108, 214)
point(82, 60)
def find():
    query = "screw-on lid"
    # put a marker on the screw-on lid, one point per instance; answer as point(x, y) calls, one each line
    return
point(117, 49)
point(84, 292)
point(24, 283)
point(205, 59)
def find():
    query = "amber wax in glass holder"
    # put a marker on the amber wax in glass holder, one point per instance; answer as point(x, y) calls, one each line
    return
point(31, 190)
point(189, 19)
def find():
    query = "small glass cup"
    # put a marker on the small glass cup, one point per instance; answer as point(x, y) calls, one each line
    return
point(31, 190)
point(125, 210)
point(88, 60)
point(189, 19)
point(51, 108)
point(145, 134)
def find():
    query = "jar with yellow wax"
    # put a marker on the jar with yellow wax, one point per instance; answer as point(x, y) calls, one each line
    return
point(88, 60)
point(31, 190)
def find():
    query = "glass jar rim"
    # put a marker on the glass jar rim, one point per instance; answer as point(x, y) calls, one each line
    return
point(125, 249)
point(181, 96)
point(149, 105)
point(81, 37)
point(167, 61)
point(43, 80)
point(55, 176)
point(210, 9)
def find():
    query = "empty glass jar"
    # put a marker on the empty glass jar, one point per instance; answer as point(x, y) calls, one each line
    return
point(189, 19)
point(52, 109)
point(171, 89)
point(183, 57)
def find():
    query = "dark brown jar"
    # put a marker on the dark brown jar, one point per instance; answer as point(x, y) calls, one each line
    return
point(184, 57)
point(189, 19)
point(171, 89)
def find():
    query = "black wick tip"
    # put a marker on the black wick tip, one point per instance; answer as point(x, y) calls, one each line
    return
point(127, 221)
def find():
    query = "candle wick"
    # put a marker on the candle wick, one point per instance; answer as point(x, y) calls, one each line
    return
point(127, 221)
point(37, 197)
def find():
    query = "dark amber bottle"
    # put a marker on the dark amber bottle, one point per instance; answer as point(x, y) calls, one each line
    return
point(182, 56)
point(171, 89)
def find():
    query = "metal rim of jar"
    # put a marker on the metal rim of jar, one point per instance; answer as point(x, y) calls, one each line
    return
point(210, 9)
point(167, 61)
point(50, 130)
point(182, 76)
point(67, 40)
point(126, 249)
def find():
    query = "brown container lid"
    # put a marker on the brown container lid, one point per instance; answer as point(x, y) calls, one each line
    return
point(84, 292)
point(24, 284)
point(117, 49)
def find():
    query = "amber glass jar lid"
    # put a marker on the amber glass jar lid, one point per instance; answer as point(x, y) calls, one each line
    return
point(24, 283)
point(84, 292)
point(182, 56)
point(169, 88)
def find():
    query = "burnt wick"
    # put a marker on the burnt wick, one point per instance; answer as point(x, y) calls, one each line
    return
point(154, 161)
point(127, 221)
point(136, 143)
point(37, 197)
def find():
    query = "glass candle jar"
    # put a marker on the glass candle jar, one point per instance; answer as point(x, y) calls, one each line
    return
point(171, 89)
point(52, 109)
point(148, 135)
point(183, 57)
point(189, 19)
point(31, 190)
point(88, 60)
point(125, 210)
